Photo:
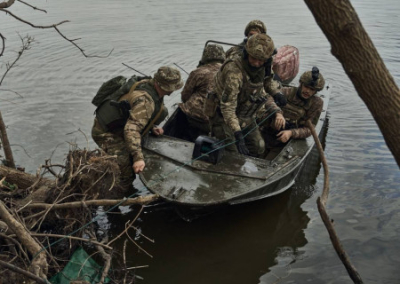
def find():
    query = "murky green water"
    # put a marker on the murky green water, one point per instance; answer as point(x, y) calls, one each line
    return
point(277, 240)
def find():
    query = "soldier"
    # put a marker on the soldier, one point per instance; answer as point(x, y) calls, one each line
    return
point(252, 28)
point(302, 104)
point(199, 84)
point(271, 85)
point(146, 101)
point(240, 92)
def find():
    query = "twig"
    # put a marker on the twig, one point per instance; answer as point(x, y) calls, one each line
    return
point(27, 4)
point(69, 237)
point(8, 90)
point(126, 227)
point(6, 4)
point(4, 44)
point(124, 259)
point(26, 43)
point(104, 202)
point(321, 201)
point(72, 41)
point(24, 272)
point(32, 25)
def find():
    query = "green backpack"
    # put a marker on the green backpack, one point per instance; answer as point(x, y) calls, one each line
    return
point(108, 113)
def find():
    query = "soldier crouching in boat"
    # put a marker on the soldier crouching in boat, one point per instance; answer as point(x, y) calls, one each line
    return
point(302, 105)
point(240, 95)
point(199, 84)
point(146, 101)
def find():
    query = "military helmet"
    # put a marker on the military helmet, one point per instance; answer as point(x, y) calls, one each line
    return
point(168, 78)
point(255, 25)
point(213, 52)
point(260, 46)
point(313, 79)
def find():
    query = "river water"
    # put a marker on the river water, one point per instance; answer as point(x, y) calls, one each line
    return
point(278, 240)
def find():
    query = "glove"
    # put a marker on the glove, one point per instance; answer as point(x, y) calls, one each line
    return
point(280, 99)
point(241, 146)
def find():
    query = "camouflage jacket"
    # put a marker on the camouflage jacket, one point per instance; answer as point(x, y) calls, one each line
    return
point(199, 83)
point(271, 86)
point(298, 111)
point(145, 105)
point(229, 88)
point(235, 51)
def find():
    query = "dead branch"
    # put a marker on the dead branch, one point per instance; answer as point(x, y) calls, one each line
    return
point(321, 201)
point(33, 25)
point(6, 143)
point(33, 7)
point(104, 202)
point(3, 43)
point(26, 45)
point(69, 237)
point(22, 179)
point(6, 4)
point(39, 266)
point(81, 50)
point(23, 272)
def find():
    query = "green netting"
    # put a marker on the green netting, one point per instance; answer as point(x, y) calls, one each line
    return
point(80, 267)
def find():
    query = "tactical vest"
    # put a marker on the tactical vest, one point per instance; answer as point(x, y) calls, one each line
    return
point(251, 96)
point(295, 111)
point(110, 117)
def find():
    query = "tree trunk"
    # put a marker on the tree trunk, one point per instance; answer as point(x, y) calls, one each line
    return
point(6, 144)
point(22, 179)
point(352, 46)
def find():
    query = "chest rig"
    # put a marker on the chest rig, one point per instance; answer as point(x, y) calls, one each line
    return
point(251, 96)
point(295, 110)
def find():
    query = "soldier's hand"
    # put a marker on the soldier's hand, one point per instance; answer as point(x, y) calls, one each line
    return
point(240, 144)
point(284, 135)
point(157, 131)
point(279, 121)
point(138, 166)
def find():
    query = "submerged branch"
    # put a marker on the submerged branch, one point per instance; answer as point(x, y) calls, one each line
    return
point(321, 202)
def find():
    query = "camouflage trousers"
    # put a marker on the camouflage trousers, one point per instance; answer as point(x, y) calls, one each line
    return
point(197, 128)
point(253, 139)
point(113, 144)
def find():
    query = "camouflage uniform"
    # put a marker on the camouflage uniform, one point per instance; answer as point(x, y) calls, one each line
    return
point(241, 96)
point(146, 105)
point(199, 84)
point(254, 25)
point(297, 111)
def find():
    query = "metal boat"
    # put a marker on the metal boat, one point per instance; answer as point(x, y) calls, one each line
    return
point(173, 174)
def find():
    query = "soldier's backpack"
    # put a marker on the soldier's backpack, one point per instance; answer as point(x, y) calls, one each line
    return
point(112, 115)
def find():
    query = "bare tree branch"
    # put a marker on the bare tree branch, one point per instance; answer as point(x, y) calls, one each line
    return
point(6, 4)
point(321, 202)
point(24, 272)
point(4, 44)
point(32, 25)
point(35, 8)
point(26, 45)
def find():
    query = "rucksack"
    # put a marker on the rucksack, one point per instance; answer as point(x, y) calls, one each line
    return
point(109, 114)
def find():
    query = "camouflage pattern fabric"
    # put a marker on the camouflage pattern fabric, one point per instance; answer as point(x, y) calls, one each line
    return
point(253, 138)
point(256, 25)
point(260, 46)
point(168, 78)
point(235, 51)
point(307, 79)
point(229, 84)
point(114, 144)
point(198, 85)
point(213, 52)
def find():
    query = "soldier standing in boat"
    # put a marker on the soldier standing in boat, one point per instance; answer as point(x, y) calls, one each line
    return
point(252, 28)
point(240, 95)
point(199, 84)
point(302, 105)
point(272, 84)
point(146, 100)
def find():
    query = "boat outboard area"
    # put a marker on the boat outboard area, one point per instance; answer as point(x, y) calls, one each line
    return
point(202, 175)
